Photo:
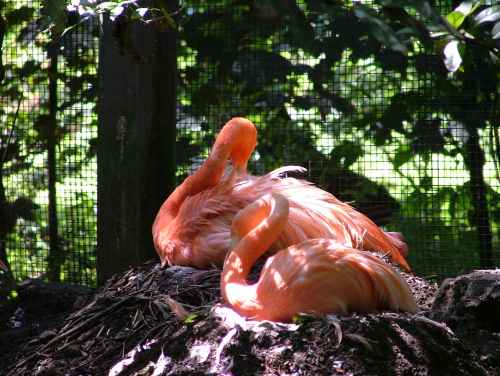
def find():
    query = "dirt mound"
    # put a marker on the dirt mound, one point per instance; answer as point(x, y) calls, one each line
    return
point(152, 321)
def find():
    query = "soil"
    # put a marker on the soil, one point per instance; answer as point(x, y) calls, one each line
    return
point(153, 321)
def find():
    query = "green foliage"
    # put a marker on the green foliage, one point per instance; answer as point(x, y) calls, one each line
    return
point(54, 16)
point(155, 15)
point(301, 71)
point(252, 74)
point(191, 319)
point(28, 126)
point(448, 111)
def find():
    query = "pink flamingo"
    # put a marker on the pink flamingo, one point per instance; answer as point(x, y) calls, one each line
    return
point(193, 225)
point(317, 276)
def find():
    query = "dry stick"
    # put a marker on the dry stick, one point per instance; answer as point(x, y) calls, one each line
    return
point(79, 316)
point(100, 331)
point(86, 335)
point(138, 360)
point(100, 312)
point(98, 357)
point(149, 334)
point(69, 332)
point(153, 329)
point(75, 329)
point(81, 319)
point(88, 321)
point(83, 337)
point(94, 360)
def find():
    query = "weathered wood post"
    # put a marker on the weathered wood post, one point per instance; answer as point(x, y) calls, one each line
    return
point(136, 157)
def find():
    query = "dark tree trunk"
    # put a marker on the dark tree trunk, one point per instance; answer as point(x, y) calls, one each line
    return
point(136, 156)
point(475, 160)
point(55, 258)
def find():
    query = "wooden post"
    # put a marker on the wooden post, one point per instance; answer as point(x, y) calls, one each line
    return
point(55, 257)
point(136, 156)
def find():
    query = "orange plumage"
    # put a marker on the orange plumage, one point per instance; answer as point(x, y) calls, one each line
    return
point(193, 225)
point(318, 276)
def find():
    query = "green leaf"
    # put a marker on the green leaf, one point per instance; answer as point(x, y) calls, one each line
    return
point(346, 154)
point(302, 318)
point(455, 18)
point(427, 11)
point(54, 15)
point(380, 30)
point(426, 182)
point(116, 12)
point(168, 18)
point(142, 12)
point(490, 14)
point(495, 32)
point(399, 15)
point(107, 5)
point(453, 203)
point(19, 15)
point(29, 68)
point(403, 155)
point(191, 318)
point(452, 58)
point(468, 7)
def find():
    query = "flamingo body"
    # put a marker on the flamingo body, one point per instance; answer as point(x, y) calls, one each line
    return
point(317, 276)
point(193, 225)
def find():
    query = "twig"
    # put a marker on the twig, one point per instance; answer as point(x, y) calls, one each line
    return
point(66, 334)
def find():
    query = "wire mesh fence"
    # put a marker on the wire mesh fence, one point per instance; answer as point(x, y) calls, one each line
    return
point(329, 110)
point(324, 108)
point(48, 148)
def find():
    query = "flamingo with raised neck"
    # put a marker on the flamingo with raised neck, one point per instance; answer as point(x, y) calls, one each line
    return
point(193, 225)
point(318, 276)
point(236, 142)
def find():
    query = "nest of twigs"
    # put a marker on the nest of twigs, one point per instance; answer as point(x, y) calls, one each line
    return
point(153, 321)
point(143, 304)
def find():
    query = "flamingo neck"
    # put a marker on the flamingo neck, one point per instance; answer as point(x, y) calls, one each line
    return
point(207, 176)
point(269, 217)
point(236, 141)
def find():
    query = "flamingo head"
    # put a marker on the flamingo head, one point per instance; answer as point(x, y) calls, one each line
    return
point(173, 251)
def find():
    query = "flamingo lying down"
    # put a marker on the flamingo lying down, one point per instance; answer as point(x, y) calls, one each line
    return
point(192, 226)
point(318, 276)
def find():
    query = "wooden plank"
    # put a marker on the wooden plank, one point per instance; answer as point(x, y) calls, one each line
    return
point(136, 149)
